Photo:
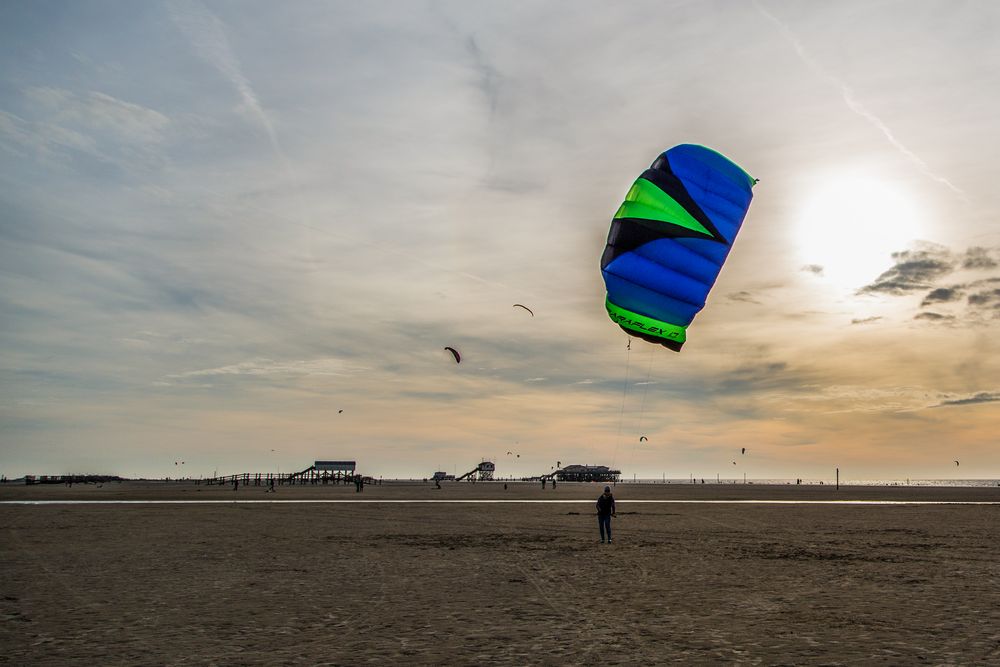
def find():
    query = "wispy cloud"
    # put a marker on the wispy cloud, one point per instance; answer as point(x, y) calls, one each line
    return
point(921, 269)
point(744, 296)
point(63, 124)
point(40, 140)
point(131, 122)
point(942, 295)
point(270, 367)
point(843, 398)
point(981, 258)
point(914, 270)
point(489, 77)
point(976, 399)
point(931, 316)
point(986, 299)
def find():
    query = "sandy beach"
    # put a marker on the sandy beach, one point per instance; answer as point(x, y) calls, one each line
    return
point(499, 583)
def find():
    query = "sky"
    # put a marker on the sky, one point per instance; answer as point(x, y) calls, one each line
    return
point(240, 235)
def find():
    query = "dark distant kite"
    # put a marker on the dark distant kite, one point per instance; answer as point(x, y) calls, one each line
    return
point(520, 305)
point(458, 357)
point(669, 240)
point(339, 411)
point(643, 438)
point(956, 462)
point(743, 450)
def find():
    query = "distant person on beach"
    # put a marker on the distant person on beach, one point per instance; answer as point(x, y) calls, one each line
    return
point(543, 482)
point(437, 483)
point(553, 483)
point(236, 484)
point(270, 486)
point(605, 510)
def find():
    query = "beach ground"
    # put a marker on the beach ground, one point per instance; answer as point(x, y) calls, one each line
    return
point(498, 583)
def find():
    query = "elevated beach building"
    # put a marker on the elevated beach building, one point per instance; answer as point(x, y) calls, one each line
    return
point(482, 472)
point(345, 467)
point(579, 473)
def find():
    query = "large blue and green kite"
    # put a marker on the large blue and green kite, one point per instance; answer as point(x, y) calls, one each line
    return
point(669, 240)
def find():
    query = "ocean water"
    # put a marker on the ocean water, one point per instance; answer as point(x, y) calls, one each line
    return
point(807, 482)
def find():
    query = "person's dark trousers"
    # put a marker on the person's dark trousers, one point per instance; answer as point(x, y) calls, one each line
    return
point(605, 523)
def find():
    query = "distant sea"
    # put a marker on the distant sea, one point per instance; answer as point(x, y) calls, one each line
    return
point(818, 482)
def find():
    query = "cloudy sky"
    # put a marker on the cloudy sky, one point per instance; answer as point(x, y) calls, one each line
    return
point(223, 223)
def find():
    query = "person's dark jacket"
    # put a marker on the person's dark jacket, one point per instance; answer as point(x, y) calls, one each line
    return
point(605, 505)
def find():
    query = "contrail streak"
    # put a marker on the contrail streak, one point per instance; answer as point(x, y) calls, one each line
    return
point(208, 36)
point(854, 105)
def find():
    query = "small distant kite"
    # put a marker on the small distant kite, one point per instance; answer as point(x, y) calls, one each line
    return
point(956, 462)
point(339, 411)
point(458, 357)
point(734, 462)
point(643, 438)
point(521, 305)
point(743, 450)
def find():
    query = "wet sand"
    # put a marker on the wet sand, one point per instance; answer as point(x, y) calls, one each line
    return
point(381, 583)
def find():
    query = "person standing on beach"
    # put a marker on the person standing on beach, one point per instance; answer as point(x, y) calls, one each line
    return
point(605, 510)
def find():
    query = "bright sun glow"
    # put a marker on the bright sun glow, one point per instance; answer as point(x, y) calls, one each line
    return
point(852, 224)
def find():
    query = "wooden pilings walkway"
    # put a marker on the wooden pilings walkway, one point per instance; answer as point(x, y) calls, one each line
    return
point(308, 476)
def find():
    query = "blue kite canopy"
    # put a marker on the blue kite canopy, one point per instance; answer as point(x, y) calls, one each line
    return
point(669, 240)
